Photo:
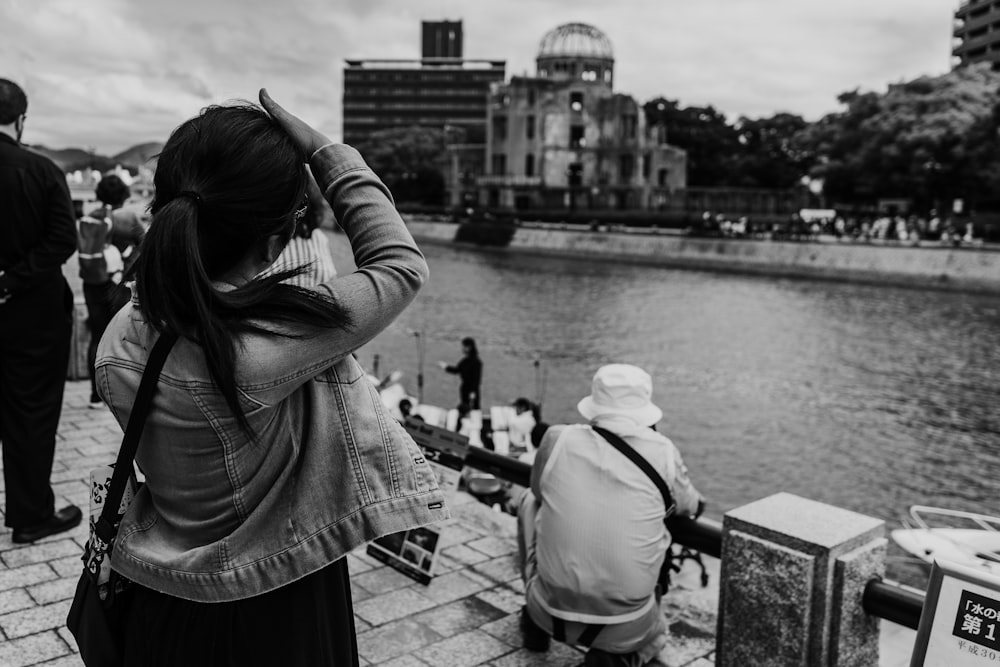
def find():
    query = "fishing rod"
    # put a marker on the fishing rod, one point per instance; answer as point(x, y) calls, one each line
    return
point(419, 341)
point(540, 378)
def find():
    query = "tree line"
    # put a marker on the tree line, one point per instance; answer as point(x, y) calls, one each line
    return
point(931, 140)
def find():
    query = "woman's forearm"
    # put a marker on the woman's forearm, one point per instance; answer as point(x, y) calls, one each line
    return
point(391, 270)
point(364, 208)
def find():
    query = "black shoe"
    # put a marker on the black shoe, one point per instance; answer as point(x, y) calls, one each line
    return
point(65, 519)
point(598, 658)
point(535, 639)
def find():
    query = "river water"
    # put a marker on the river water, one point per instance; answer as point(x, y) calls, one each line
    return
point(869, 398)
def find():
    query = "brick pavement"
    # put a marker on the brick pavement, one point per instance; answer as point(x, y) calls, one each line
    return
point(466, 616)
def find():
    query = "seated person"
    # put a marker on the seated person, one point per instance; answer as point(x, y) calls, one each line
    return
point(591, 530)
point(520, 426)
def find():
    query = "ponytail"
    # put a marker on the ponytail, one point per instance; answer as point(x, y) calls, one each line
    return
point(177, 295)
point(225, 181)
point(172, 282)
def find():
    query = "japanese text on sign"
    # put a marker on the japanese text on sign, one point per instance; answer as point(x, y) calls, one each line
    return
point(978, 619)
point(980, 651)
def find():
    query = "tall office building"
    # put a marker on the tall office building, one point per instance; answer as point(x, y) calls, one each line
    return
point(977, 32)
point(441, 39)
point(440, 90)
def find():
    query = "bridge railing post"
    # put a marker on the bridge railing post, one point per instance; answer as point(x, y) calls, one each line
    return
point(793, 575)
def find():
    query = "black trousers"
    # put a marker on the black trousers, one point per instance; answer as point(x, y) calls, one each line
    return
point(103, 302)
point(469, 396)
point(35, 329)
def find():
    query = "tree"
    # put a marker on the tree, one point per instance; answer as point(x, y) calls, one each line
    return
point(931, 139)
point(770, 157)
point(982, 172)
point(712, 144)
point(412, 161)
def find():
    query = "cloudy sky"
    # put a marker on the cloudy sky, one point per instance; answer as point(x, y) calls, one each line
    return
point(112, 73)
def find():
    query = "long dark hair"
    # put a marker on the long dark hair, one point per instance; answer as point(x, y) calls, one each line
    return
point(112, 191)
point(226, 181)
point(470, 344)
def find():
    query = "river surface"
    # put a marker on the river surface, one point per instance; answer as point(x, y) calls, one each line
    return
point(870, 398)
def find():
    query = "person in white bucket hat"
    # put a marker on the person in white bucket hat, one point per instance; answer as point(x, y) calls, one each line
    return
point(621, 390)
point(591, 531)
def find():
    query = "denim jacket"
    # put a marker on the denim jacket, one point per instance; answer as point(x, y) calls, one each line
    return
point(223, 516)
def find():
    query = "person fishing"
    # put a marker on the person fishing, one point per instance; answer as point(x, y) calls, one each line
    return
point(470, 371)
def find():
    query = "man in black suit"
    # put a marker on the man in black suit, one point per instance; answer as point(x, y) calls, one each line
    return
point(37, 235)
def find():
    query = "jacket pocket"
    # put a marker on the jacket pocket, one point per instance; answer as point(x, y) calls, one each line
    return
point(417, 475)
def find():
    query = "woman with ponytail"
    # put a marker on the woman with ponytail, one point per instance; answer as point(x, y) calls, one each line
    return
point(267, 455)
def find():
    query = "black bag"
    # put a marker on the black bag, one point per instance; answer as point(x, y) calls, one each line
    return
point(98, 625)
point(97, 616)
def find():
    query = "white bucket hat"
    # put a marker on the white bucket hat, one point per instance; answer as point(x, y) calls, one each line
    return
point(621, 390)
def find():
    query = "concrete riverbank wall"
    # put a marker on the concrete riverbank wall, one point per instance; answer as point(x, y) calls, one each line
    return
point(963, 269)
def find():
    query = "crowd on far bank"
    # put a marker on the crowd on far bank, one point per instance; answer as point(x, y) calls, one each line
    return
point(809, 225)
point(892, 229)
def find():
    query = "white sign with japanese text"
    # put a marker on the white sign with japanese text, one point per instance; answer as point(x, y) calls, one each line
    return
point(960, 622)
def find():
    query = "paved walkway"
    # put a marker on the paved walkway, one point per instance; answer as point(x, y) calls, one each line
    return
point(466, 616)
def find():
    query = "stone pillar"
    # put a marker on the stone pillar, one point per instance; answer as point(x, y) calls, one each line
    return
point(793, 573)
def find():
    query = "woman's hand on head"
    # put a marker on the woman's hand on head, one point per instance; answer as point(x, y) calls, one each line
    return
point(303, 134)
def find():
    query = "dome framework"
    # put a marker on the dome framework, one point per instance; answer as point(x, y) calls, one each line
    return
point(576, 40)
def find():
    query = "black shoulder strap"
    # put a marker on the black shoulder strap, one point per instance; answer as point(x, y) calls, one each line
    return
point(105, 527)
point(636, 458)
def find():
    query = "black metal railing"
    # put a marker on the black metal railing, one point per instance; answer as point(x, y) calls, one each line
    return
point(884, 599)
point(504, 467)
point(893, 602)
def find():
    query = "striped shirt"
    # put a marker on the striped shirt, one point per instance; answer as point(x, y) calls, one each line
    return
point(313, 252)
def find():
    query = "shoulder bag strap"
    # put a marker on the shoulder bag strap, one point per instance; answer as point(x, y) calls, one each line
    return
point(107, 524)
point(643, 464)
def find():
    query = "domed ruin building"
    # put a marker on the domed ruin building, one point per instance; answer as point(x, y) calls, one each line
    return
point(564, 138)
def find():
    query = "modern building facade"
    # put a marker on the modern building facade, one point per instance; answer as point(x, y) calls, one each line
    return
point(977, 33)
point(565, 139)
point(440, 90)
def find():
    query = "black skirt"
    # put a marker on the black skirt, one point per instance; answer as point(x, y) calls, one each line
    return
point(308, 623)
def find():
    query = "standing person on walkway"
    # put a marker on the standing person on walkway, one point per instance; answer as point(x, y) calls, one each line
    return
point(591, 529)
point(108, 239)
point(267, 456)
point(37, 236)
point(470, 370)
